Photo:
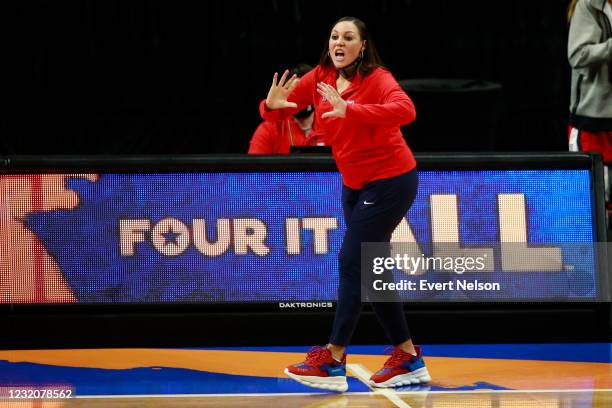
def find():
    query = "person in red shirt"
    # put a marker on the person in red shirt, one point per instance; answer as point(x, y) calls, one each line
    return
point(359, 107)
point(278, 136)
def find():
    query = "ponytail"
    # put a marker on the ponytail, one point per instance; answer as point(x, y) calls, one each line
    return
point(570, 10)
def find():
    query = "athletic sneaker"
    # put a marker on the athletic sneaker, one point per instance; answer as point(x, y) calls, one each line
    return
point(320, 370)
point(401, 369)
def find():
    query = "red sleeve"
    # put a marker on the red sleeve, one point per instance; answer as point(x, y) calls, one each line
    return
point(396, 108)
point(263, 139)
point(302, 95)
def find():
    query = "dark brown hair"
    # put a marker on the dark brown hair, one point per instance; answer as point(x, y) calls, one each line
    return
point(371, 59)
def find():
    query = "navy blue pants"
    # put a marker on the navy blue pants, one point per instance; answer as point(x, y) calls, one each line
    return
point(371, 215)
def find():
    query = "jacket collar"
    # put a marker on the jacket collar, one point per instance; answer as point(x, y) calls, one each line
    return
point(598, 4)
point(332, 75)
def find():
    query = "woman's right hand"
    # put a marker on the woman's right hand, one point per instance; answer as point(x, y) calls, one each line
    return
point(280, 90)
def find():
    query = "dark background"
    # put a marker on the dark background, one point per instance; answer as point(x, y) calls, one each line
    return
point(173, 77)
point(184, 77)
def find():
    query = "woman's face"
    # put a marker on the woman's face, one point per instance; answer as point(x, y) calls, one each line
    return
point(345, 44)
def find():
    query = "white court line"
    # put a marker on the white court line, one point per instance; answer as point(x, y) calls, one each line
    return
point(270, 394)
point(289, 394)
point(483, 391)
point(364, 376)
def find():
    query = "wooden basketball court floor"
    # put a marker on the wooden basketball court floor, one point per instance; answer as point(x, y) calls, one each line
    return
point(495, 376)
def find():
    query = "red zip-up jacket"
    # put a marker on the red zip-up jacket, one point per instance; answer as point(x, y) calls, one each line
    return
point(367, 144)
point(278, 137)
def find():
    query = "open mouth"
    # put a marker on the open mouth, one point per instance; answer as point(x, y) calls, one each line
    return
point(339, 55)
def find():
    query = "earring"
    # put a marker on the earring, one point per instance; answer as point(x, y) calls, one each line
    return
point(361, 53)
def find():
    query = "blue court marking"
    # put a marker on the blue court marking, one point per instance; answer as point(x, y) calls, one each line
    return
point(149, 381)
point(576, 352)
point(172, 381)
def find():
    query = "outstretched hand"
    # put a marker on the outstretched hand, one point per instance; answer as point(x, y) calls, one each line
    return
point(332, 95)
point(280, 90)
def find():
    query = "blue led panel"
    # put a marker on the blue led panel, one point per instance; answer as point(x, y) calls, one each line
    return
point(253, 237)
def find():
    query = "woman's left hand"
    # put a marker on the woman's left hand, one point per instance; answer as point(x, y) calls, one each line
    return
point(332, 95)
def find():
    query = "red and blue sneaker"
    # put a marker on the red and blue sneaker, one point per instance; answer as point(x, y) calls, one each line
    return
point(320, 370)
point(401, 369)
